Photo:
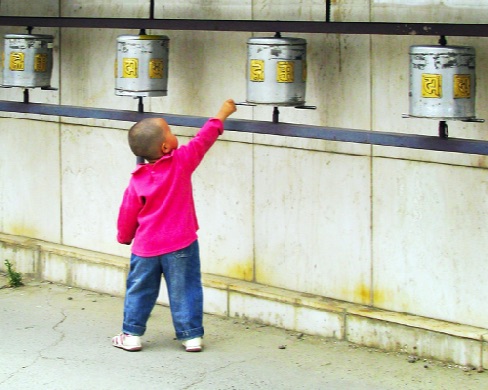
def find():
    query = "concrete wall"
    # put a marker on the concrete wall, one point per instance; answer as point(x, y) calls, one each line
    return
point(395, 229)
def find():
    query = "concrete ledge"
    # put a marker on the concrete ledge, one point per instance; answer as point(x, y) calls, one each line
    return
point(391, 331)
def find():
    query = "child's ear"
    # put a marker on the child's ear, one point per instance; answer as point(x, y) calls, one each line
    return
point(164, 148)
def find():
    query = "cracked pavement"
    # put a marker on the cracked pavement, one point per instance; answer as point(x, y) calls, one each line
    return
point(57, 337)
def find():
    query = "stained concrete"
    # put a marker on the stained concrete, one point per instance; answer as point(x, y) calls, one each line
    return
point(58, 337)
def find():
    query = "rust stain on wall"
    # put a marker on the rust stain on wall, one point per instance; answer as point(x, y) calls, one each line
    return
point(362, 294)
point(242, 271)
point(21, 230)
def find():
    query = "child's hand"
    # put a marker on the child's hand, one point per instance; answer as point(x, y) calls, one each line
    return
point(227, 109)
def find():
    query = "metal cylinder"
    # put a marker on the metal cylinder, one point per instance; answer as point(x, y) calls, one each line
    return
point(28, 60)
point(442, 82)
point(277, 71)
point(141, 67)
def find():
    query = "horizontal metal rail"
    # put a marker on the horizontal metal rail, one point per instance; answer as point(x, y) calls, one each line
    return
point(411, 141)
point(373, 28)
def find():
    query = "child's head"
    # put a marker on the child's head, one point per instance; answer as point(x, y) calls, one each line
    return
point(151, 138)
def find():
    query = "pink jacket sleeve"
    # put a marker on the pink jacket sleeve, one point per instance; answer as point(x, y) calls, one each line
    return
point(195, 150)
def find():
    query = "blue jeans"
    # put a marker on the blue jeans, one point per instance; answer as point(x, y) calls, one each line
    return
point(181, 270)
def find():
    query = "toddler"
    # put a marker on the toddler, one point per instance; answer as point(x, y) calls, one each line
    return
point(157, 216)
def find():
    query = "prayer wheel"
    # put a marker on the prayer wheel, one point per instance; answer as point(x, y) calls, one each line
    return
point(442, 82)
point(27, 60)
point(141, 67)
point(277, 71)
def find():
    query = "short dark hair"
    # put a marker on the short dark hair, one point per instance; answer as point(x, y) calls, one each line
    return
point(146, 138)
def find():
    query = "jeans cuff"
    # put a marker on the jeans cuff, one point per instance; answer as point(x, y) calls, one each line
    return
point(133, 330)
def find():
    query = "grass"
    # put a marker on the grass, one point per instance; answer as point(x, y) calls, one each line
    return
point(14, 278)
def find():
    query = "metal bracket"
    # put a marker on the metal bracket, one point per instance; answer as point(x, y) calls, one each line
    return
point(474, 120)
point(254, 105)
point(43, 88)
point(306, 107)
point(246, 104)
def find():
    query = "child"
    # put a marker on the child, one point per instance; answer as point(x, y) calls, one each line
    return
point(157, 216)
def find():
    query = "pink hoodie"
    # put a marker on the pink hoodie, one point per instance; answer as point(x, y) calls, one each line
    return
point(157, 209)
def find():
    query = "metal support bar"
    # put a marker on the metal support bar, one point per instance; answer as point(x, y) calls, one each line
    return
point(140, 109)
point(411, 141)
point(328, 7)
point(276, 115)
point(364, 28)
point(443, 129)
point(151, 9)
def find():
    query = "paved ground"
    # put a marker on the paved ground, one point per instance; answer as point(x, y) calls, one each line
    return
point(57, 337)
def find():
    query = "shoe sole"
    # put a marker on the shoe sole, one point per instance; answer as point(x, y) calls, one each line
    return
point(194, 349)
point(129, 349)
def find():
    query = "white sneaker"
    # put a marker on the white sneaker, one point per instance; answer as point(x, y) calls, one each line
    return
point(127, 342)
point(193, 345)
